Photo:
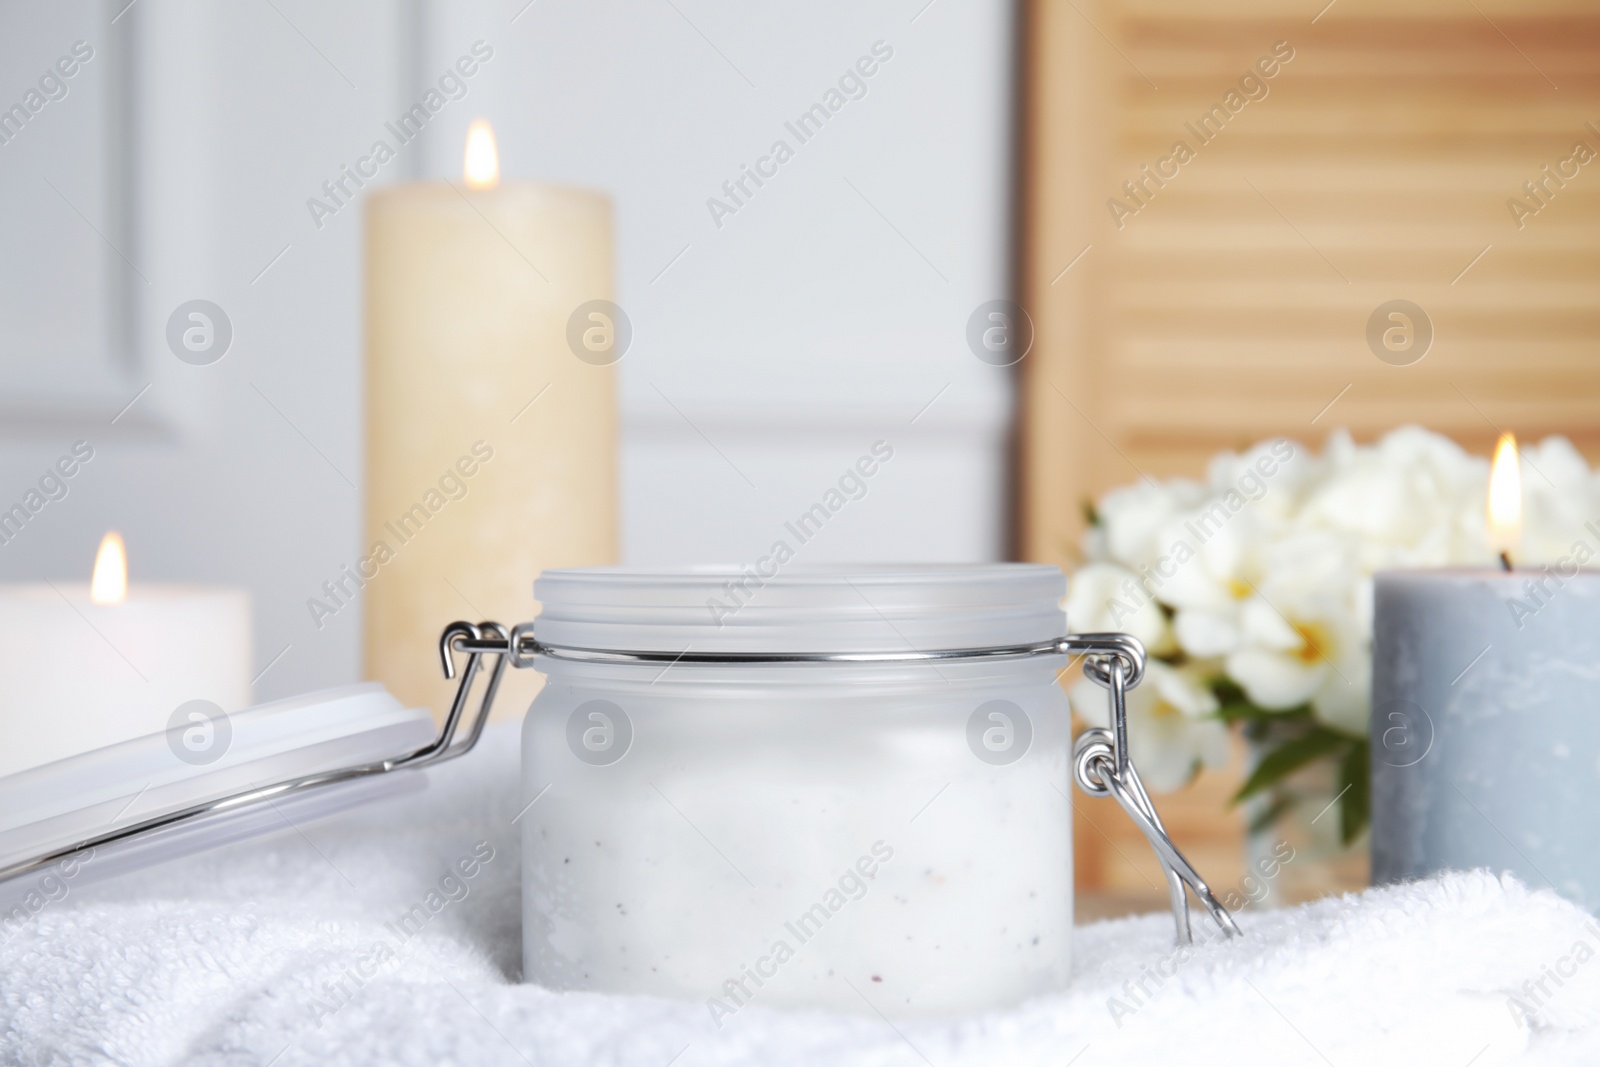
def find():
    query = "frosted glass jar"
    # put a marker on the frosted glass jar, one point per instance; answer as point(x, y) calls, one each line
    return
point(844, 836)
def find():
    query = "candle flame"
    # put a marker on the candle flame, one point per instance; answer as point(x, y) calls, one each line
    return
point(482, 169)
point(110, 584)
point(1505, 496)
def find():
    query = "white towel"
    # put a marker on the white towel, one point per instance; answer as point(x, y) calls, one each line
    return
point(297, 950)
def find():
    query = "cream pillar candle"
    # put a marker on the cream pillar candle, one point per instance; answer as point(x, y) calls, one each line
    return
point(86, 666)
point(491, 446)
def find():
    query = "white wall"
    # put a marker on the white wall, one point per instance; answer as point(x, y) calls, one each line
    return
point(237, 120)
point(768, 353)
point(807, 325)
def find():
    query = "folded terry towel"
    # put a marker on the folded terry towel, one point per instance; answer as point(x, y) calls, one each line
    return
point(311, 948)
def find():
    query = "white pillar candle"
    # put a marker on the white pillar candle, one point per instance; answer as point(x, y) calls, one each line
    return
point(491, 446)
point(76, 675)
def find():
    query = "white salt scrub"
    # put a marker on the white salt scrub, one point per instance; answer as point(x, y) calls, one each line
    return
point(844, 836)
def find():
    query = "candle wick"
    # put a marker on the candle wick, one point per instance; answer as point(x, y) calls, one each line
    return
point(1505, 562)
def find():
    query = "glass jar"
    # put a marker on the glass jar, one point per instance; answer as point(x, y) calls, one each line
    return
point(850, 836)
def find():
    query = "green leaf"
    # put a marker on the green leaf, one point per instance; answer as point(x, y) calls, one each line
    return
point(1227, 690)
point(1289, 757)
point(1090, 515)
point(1271, 814)
point(1235, 706)
point(1355, 783)
point(1243, 711)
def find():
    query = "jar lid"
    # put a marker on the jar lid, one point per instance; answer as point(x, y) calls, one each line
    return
point(56, 805)
point(817, 608)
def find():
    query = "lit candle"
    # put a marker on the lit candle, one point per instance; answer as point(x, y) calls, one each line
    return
point(1505, 500)
point(491, 445)
point(88, 664)
point(1486, 714)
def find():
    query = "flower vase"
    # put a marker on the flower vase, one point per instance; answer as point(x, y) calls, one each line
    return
point(1294, 848)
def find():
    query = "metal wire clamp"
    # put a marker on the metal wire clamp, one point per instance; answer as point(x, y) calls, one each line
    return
point(1101, 762)
point(1102, 767)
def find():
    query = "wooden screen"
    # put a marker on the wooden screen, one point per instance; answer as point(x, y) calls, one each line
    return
point(1228, 297)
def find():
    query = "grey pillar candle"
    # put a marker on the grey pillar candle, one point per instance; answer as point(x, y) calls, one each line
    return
point(1486, 724)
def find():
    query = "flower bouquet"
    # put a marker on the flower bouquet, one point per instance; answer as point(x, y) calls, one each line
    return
point(1252, 591)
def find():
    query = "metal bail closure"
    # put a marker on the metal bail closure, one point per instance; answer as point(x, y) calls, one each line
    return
point(1100, 762)
point(1102, 766)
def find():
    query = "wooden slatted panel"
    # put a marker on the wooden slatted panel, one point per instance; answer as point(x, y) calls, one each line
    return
point(1378, 166)
point(1233, 306)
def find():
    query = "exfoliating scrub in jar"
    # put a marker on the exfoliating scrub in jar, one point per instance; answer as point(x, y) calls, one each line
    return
point(853, 835)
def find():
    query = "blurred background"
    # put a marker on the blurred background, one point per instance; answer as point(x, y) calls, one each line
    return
point(826, 314)
point(983, 160)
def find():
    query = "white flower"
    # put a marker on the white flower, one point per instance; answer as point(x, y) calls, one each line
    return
point(1103, 598)
point(1402, 502)
point(1207, 588)
point(1305, 636)
point(1206, 634)
point(1559, 495)
point(1132, 519)
point(1210, 551)
point(1172, 726)
point(1272, 475)
point(1317, 659)
point(1266, 569)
